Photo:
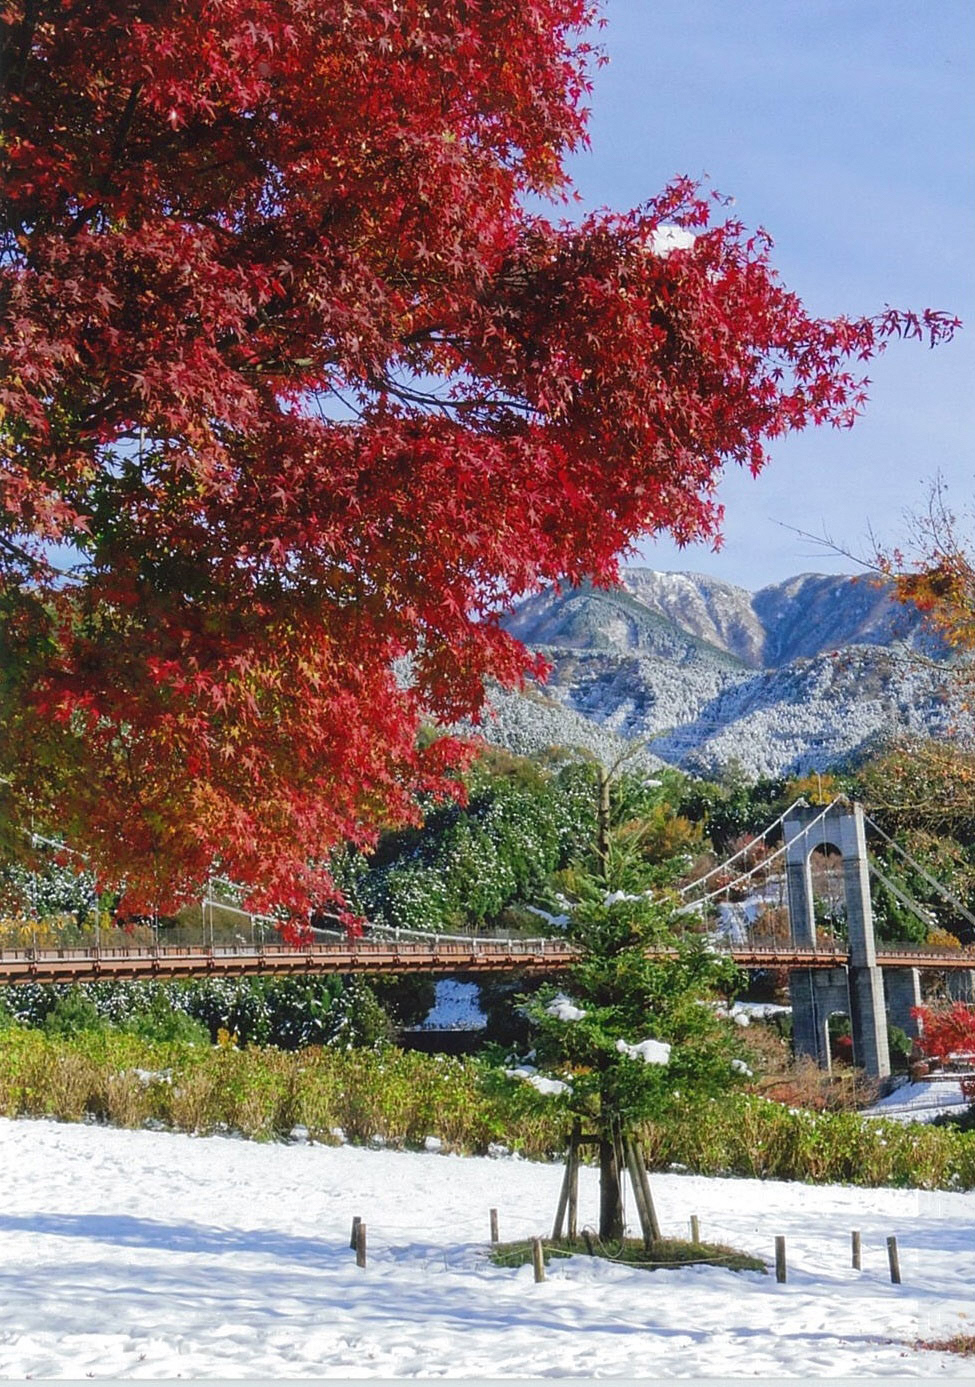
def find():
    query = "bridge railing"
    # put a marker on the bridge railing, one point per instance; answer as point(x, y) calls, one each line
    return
point(447, 947)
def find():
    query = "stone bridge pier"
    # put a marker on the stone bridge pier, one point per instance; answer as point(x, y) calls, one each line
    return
point(860, 989)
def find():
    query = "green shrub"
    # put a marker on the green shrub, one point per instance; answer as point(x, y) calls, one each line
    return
point(289, 1013)
point(72, 1012)
point(404, 1097)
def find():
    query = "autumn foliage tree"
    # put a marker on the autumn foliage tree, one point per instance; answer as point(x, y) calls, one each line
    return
point(297, 396)
point(948, 1032)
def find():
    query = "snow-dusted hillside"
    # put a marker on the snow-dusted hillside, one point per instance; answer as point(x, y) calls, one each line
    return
point(618, 622)
point(801, 676)
point(800, 618)
point(813, 714)
point(717, 612)
point(529, 723)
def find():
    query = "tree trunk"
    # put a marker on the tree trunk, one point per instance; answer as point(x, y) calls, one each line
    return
point(610, 1191)
point(602, 823)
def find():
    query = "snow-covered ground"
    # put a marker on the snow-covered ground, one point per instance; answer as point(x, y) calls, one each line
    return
point(148, 1254)
point(921, 1102)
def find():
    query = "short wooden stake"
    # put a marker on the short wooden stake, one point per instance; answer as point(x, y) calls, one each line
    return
point(695, 1229)
point(563, 1199)
point(494, 1226)
point(360, 1245)
point(355, 1232)
point(538, 1259)
point(780, 1271)
point(894, 1260)
point(855, 1250)
point(590, 1245)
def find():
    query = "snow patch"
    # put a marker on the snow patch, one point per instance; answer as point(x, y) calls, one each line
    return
point(557, 921)
point(541, 1082)
point(650, 1051)
point(920, 1102)
point(564, 1009)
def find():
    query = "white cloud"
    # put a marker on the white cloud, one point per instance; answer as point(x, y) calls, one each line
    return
point(664, 239)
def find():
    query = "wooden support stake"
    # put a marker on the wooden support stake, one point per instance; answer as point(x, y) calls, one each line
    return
point(360, 1245)
point(855, 1250)
point(355, 1232)
point(494, 1226)
point(780, 1271)
point(590, 1246)
point(566, 1182)
point(538, 1259)
point(574, 1192)
point(647, 1195)
point(563, 1198)
point(695, 1229)
point(894, 1260)
point(641, 1206)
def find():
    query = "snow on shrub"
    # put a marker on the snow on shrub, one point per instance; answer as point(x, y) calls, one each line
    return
point(650, 1051)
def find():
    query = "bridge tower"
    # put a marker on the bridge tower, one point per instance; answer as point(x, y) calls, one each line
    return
point(858, 988)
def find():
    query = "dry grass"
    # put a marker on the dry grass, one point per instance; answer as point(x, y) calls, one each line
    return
point(802, 1084)
point(960, 1343)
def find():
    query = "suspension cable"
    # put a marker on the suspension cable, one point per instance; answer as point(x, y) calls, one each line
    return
point(760, 866)
point(921, 912)
point(691, 886)
point(942, 890)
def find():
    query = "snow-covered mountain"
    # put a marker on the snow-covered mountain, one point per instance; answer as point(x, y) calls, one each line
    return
point(799, 676)
point(802, 617)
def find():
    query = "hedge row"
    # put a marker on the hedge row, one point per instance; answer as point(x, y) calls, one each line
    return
point(402, 1098)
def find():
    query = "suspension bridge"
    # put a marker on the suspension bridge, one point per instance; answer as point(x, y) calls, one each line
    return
point(759, 906)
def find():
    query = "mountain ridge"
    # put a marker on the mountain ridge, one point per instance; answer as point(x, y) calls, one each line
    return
point(800, 676)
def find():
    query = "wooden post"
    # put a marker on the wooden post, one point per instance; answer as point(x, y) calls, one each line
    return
point(563, 1197)
point(494, 1226)
point(894, 1260)
point(564, 1193)
point(590, 1246)
point(641, 1206)
point(647, 1195)
point(360, 1245)
point(538, 1259)
point(574, 1191)
point(855, 1250)
point(353, 1240)
point(780, 1271)
point(695, 1229)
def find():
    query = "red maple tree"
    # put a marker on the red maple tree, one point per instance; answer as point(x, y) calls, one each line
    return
point(297, 396)
point(947, 1032)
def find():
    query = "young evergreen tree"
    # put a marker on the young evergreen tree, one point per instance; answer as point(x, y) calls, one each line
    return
point(635, 1032)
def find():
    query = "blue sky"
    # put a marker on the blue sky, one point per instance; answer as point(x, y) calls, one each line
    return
point(846, 128)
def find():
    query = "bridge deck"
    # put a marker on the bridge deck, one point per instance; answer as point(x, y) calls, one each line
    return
point(368, 956)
